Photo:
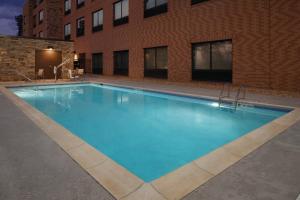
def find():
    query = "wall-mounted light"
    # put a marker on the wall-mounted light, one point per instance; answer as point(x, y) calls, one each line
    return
point(75, 57)
point(50, 48)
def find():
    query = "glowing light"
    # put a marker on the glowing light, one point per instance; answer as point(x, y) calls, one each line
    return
point(214, 104)
point(50, 48)
point(75, 57)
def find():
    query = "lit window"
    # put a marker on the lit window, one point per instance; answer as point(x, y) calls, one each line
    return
point(121, 12)
point(67, 7)
point(97, 21)
point(41, 16)
point(67, 31)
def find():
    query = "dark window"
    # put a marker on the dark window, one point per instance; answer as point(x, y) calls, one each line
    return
point(198, 1)
point(41, 16)
point(156, 62)
point(212, 61)
point(34, 21)
point(121, 62)
point(97, 21)
point(79, 3)
point(67, 31)
point(81, 61)
point(67, 7)
point(121, 12)
point(97, 63)
point(155, 7)
point(80, 27)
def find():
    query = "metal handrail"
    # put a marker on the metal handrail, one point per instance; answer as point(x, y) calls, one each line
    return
point(221, 95)
point(237, 97)
point(24, 76)
point(241, 89)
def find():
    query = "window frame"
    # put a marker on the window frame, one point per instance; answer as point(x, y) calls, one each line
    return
point(120, 70)
point(67, 12)
point(218, 75)
point(34, 21)
point(41, 34)
point(79, 5)
point(156, 10)
point(67, 37)
point(156, 72)
point(193, 2)
point(100, 68)
point(99, 27)
point(122, 20)
point(80, 33)
point(41, 20)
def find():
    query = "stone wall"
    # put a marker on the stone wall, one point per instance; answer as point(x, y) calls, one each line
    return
point(18, 54)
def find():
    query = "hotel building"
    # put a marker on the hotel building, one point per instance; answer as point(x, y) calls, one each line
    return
point(250, 42)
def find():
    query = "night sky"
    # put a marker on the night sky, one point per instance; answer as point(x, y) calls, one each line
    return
point(8, 10)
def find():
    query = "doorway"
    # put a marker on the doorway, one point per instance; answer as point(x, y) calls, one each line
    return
point(46, 60)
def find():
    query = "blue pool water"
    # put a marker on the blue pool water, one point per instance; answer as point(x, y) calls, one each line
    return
point(148, 133)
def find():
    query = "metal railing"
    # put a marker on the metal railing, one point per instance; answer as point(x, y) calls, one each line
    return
point(227, 88)
point(24, 76)
point(242, 88)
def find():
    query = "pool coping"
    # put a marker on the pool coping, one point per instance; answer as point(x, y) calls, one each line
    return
point(122, 184)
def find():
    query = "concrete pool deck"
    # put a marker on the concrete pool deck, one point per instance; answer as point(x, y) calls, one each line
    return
point(170, 189)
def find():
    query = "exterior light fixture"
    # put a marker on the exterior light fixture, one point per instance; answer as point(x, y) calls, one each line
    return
point(75, 57)
point(50, 48)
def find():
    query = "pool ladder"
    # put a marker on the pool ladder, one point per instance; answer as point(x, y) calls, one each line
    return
point(225, 95)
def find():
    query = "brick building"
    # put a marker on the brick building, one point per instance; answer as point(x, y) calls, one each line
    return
point(251, 42)
point(43, 19)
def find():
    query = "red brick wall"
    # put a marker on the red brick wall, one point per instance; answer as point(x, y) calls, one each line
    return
point(265, 36)
point(52, 22)
point(285, 45)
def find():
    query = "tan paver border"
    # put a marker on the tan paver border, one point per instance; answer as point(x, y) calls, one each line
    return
point(124, 185)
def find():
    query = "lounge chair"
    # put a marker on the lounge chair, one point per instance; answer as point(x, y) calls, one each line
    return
point(80, 73)
point(40, 74)
point(70, 73)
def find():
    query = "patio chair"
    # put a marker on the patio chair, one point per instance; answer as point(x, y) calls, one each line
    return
point(80, 73)
point(70, 73)
point(40, 74)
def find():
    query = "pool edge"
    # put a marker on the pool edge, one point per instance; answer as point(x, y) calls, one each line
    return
point(176, 184)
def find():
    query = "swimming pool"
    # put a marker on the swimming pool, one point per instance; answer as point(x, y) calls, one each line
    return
point(148, 133)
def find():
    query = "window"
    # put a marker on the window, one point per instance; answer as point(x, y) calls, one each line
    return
point(81, 61)
point(34, 21)
point(38, 2)
point(41, 34)
point(80, 3)
point(97, 63)
point(97, 21)
point(212, 61)
point(198, 1)
point(121, 12)
point(80, 27)
point(41, 16)
point(67, 7)
point(67, 31)
point(156, 62)
point(121, 62)
point(155, 7)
